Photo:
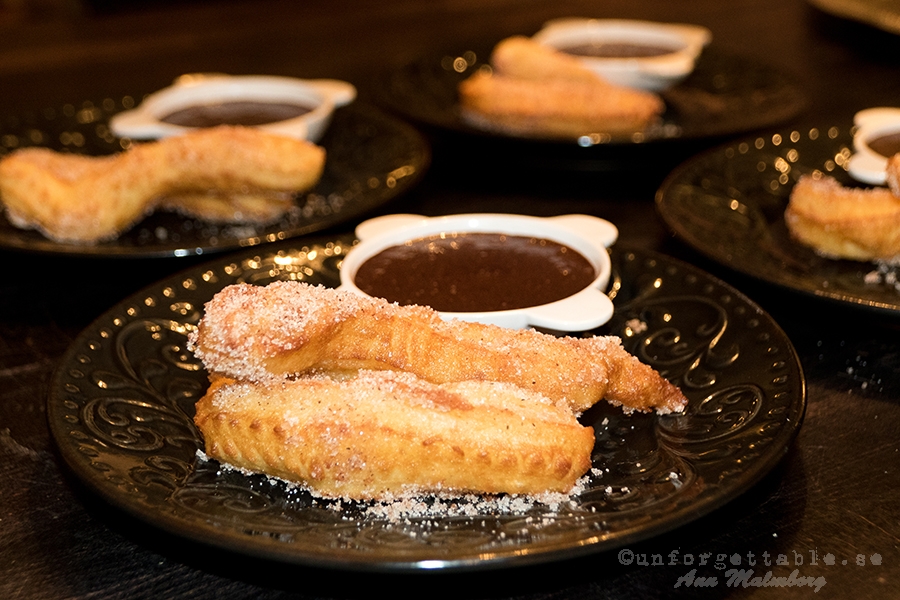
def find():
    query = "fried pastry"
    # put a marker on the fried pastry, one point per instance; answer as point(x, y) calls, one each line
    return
point(285, 329)
point(519, 57)
point(892, 174)
point(387, 434)
point(213, 206)
point(555, 108)
point(221, 173)
point(843, 222)
point(537, 91)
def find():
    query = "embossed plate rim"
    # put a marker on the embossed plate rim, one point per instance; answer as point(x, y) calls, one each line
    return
point(673, 508)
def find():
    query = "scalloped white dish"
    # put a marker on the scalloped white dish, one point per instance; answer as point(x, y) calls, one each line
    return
point(866, 164)
point(652, 72)
point(316, 100)
point(589, 236)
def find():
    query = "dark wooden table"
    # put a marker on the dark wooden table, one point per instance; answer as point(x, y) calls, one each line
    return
point(835, 491)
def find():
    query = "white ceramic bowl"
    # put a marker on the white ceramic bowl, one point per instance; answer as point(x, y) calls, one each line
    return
point(589, 236)
point(866, 165)
point(652, 73)
point(321, 95)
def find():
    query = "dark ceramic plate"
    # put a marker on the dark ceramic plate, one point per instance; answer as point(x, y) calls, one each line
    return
point(728, 203)
point(372, 158)
point(724, 95)
point(122, 401)
point(884, 14)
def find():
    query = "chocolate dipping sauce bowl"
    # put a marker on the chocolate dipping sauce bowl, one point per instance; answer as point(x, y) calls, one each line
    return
point(587, 236)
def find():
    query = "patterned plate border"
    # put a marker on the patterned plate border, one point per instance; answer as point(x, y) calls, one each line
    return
point(121, 405)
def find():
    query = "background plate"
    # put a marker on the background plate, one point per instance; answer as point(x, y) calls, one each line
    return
point(122, 401)
point(724, 95)
point(372, 158)
point(728, 203)
point(883, 14)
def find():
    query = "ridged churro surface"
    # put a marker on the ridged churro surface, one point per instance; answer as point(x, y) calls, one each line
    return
point(845, 222)
point(386, 434)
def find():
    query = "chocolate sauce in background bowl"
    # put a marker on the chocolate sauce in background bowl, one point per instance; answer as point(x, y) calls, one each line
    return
point(886, 145)
point(876, 138)
point(648, 55)
point(249, 113)
point(476, 272)
point(298, 108)
point(617, 49)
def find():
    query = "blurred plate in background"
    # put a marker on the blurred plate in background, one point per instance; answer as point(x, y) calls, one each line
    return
point(371, 158)
point(725, 95)
point(883, 14)
point(728, 203)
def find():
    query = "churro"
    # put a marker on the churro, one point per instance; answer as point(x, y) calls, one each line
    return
point(234, 174)
point(537, 91)
point(845, 222)
point(286, 329)
point(382, 434)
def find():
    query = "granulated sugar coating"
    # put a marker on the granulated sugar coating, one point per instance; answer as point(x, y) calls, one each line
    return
point(365, 400)
point(885, 273)
point(469, 505)
point(290, 328)
point(232, 335)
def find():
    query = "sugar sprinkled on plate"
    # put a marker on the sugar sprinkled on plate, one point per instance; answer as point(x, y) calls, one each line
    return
point(415, 505)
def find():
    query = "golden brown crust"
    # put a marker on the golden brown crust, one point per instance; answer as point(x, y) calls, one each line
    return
point(83, 199)
point(843, 222)
point(892, 174)
point(537, 91)
point(519, 57)
point(283, 329)
point(259, 208)
point(385, 434)
point(555, 108)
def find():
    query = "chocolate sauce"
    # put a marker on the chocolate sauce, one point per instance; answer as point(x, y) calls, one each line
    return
point(886, 145)
point(617, 50)
point(475, 272)
point(248, 113)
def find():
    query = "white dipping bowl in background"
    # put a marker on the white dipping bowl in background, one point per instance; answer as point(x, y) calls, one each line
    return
point(320, 96)
point(652, 73)
point(866, 165)
point(587, 235)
